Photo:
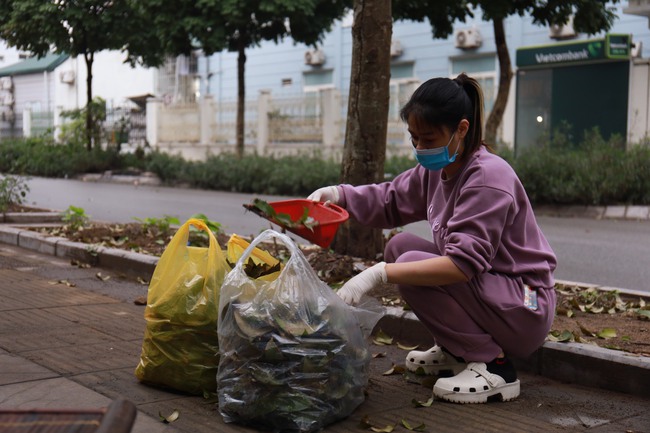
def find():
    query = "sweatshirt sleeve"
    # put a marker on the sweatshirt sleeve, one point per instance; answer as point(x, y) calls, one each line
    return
point(388, 204)
point(474, 232)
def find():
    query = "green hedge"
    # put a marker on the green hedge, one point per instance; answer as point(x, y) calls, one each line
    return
point(595, 172)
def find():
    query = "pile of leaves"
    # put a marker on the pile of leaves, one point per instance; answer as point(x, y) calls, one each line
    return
point(605, 318)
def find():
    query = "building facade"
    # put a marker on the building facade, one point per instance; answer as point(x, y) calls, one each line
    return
point(287, 70)
point(43, 88)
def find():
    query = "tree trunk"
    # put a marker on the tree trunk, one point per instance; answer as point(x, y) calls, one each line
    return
point(241, 95)
point(89, 58)
point(505, 77)
point(364, 152)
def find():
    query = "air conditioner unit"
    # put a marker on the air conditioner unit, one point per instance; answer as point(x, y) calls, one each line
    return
point(67, 77)
point(8, 100)
point(562, 31)
point(8, 116)
point(468, 38)
point(396, 48)
point(314, 57)
point(6, 83)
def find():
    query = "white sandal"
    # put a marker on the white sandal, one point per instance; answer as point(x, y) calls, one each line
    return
point(433, 361)
point(474, 385)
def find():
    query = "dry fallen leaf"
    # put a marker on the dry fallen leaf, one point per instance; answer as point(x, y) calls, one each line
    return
point(102, 277)
point(171, 418)
point(395, 369)
point(368, 425)
point(66, 282)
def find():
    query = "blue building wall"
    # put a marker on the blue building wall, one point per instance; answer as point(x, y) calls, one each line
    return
point(281, 68)
point(269, 64)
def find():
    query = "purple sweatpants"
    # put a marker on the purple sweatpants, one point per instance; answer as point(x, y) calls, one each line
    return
point(479, 319)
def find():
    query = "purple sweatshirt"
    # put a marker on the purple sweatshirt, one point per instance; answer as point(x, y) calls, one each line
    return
point(481, 218)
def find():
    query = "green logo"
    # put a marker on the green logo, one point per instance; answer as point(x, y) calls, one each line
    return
point(595, 48)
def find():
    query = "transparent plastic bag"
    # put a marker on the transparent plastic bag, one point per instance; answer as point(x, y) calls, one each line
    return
point(294, 356)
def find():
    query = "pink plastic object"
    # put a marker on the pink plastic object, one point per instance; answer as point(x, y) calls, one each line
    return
point(329, 217)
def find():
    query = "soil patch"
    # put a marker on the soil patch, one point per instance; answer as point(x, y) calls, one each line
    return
point(584, 314)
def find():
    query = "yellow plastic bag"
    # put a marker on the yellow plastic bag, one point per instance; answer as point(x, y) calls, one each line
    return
point(237, 245)
point(180, 348)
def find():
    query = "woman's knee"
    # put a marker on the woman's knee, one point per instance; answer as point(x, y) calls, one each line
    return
point(403, 243)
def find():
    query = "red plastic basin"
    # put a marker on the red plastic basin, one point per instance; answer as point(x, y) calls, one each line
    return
point(329, 218)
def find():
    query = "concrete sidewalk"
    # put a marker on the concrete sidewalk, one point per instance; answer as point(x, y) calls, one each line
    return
point(69, 338)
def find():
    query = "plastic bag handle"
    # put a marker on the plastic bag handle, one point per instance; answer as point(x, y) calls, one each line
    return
point(264, 236)
point(184, 233)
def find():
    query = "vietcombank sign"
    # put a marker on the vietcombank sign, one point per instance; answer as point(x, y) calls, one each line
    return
point(613, 46)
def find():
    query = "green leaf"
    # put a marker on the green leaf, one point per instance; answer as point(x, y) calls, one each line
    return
point(382, 339)
point(408, 426)
point(607, 333)
point(418, 403)
point(561, 336)
point(366, 424)
point(404, 347)
point(644, 314)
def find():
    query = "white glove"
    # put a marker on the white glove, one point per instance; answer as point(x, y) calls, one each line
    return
point(328, 193)
point(359, 285)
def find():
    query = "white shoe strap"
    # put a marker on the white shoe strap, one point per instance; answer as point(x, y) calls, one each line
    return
point(480, 368)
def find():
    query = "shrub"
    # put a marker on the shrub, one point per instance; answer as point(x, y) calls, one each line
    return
point(557, 171)
point(13, 190)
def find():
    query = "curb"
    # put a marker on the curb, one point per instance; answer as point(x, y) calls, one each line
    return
point(577, 363)
point(127, 262)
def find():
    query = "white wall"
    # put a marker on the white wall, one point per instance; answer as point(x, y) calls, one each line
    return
point(113, 80)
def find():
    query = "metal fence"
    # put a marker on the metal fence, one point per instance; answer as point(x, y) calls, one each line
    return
point(42, 123)
point(11, 126)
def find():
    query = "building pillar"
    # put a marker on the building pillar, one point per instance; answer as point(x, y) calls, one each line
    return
point(331, 118)
point(153, 121)
point(27, 122)
point(263, 108)
point(206, 120)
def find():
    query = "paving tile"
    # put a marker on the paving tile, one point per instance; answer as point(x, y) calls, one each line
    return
point(30, 319)
point(99, 312)
point(88, 358)
point(123, 383)
point(16, 370)
point(53, 293)
point(51, 338)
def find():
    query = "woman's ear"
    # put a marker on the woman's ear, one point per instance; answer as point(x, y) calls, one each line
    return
point(463, 128)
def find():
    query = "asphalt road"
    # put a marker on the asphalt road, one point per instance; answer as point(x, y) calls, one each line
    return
point(605, 252)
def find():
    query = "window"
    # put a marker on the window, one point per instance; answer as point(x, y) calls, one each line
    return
point(483, 69)
point(402, 85)
point(313, 83)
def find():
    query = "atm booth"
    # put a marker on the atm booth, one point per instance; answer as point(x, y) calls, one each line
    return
point(575, 86)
